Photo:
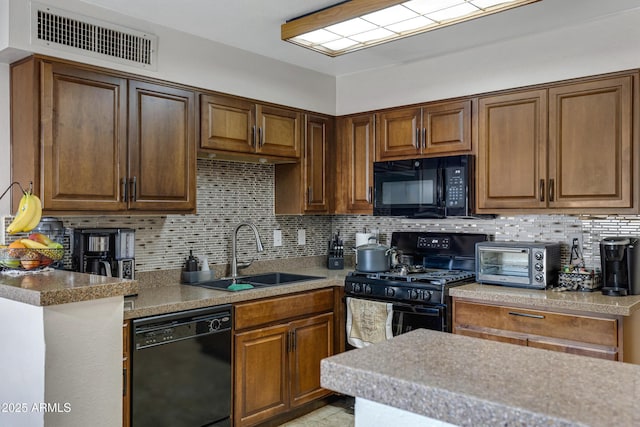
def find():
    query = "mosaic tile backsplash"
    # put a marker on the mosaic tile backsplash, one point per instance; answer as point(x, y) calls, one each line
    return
point(229, 193)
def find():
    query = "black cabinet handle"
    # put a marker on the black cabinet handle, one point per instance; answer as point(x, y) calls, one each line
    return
point(370, 195)
point(416, 143)
point(124, 382)
point(253, 136)
point(124, 189)
point(551, 190)
point(424, 138)
point(542, 190)
point(533, 316)
point(134, 189)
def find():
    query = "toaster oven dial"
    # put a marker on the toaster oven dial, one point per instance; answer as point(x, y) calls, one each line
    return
point(539, 266)
point(539, 255)
point(539, 277)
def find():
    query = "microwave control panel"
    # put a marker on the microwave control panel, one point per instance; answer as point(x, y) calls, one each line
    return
point(455, 186)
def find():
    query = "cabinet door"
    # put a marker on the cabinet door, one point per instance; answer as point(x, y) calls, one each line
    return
point(398, 134)
point(447, 128)
point(355, 177)
point(312, 341)
point(84, 139)
point(590, 144)
point(278, 131)
point(162, 150)
point(318, 134)
point(512, 151)
point(226, 124)
point(260, 369)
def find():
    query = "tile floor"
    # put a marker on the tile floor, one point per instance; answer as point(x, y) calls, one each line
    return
point(336, 414)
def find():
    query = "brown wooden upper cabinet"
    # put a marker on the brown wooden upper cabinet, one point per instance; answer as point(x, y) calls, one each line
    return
point(231, 125)
point(568, 148)
point(92, 140)
point(354, 177)
point(304, 186)
point(439, 128)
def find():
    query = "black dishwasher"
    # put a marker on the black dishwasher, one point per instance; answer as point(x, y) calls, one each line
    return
point(181, 369)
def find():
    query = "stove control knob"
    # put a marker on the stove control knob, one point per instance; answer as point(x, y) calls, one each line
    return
point(427, 295)
point(414, 294)
point(357, 288)
point(367, 289)
point(390, 292)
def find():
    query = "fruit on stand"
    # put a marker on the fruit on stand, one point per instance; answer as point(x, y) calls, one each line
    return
point(30, 253)
point(28, 215)
point(30, 260)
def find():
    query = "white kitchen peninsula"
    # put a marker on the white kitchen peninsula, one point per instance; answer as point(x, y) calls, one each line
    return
point(61, 357)
point(436, 376)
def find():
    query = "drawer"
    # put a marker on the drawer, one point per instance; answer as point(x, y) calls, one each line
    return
point(587, 329)
point(263, 312)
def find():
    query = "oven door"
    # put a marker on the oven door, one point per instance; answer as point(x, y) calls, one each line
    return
point(407, 317)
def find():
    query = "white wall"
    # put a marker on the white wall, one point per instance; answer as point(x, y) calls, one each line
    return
point(606, 44)
point(61, 366)
point(83, 368)
point(22, 361)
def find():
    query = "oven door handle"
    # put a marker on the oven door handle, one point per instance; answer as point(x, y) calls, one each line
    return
point(417, 309)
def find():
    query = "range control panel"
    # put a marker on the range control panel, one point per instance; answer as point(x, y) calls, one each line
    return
point(433, 242)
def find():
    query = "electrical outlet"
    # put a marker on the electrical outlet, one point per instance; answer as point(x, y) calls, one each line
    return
point(302, 237)
point(277, 238)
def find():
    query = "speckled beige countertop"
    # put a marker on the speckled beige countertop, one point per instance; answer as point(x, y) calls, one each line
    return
point(170, 296)
point(53, 287)
point(593, 302)
point(474, 382)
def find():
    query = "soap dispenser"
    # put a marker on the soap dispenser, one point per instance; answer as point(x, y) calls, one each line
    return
point(192, 263)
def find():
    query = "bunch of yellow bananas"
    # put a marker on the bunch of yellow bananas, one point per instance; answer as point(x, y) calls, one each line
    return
point(28, 215)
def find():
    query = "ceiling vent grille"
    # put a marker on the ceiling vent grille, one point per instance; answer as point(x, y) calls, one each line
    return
point(70, 32)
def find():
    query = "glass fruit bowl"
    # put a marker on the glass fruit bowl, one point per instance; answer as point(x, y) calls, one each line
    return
point(29, 259)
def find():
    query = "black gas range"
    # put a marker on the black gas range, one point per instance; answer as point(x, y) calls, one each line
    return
point(427, 265)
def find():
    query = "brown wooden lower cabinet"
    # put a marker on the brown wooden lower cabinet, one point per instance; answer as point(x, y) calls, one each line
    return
point(587, 335)
point(277, 362)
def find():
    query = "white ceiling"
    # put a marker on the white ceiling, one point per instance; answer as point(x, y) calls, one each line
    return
point(254, 25)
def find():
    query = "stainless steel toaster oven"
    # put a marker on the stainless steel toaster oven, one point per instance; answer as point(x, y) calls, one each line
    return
point(521, 264)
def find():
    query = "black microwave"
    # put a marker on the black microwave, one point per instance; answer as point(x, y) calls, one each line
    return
point(435, 187)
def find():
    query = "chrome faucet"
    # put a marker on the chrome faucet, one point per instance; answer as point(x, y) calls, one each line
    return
point(234, 245)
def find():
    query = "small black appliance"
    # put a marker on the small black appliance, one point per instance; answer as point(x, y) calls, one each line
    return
point(104, 251)
point(620, 258)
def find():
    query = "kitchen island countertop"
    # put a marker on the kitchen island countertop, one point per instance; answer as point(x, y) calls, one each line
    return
point(54, 287)
point(593, 302)
point(474, 382)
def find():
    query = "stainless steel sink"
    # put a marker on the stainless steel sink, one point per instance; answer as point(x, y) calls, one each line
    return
point(256, 281)
point(274, 279)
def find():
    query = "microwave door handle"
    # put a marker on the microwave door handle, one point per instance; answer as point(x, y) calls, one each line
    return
point(441, 201)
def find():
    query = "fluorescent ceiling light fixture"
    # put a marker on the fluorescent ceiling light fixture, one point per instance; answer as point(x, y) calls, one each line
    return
point(357, 24)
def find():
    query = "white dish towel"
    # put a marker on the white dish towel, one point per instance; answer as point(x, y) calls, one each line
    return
point(368, 322)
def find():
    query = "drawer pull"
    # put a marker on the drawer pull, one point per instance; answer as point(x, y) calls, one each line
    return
point(534, 316)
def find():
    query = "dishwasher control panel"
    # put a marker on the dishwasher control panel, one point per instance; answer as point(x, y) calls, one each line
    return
point(172, 329)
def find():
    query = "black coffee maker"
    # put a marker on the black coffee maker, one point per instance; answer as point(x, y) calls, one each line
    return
point(620, 258)
point(104, 251)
